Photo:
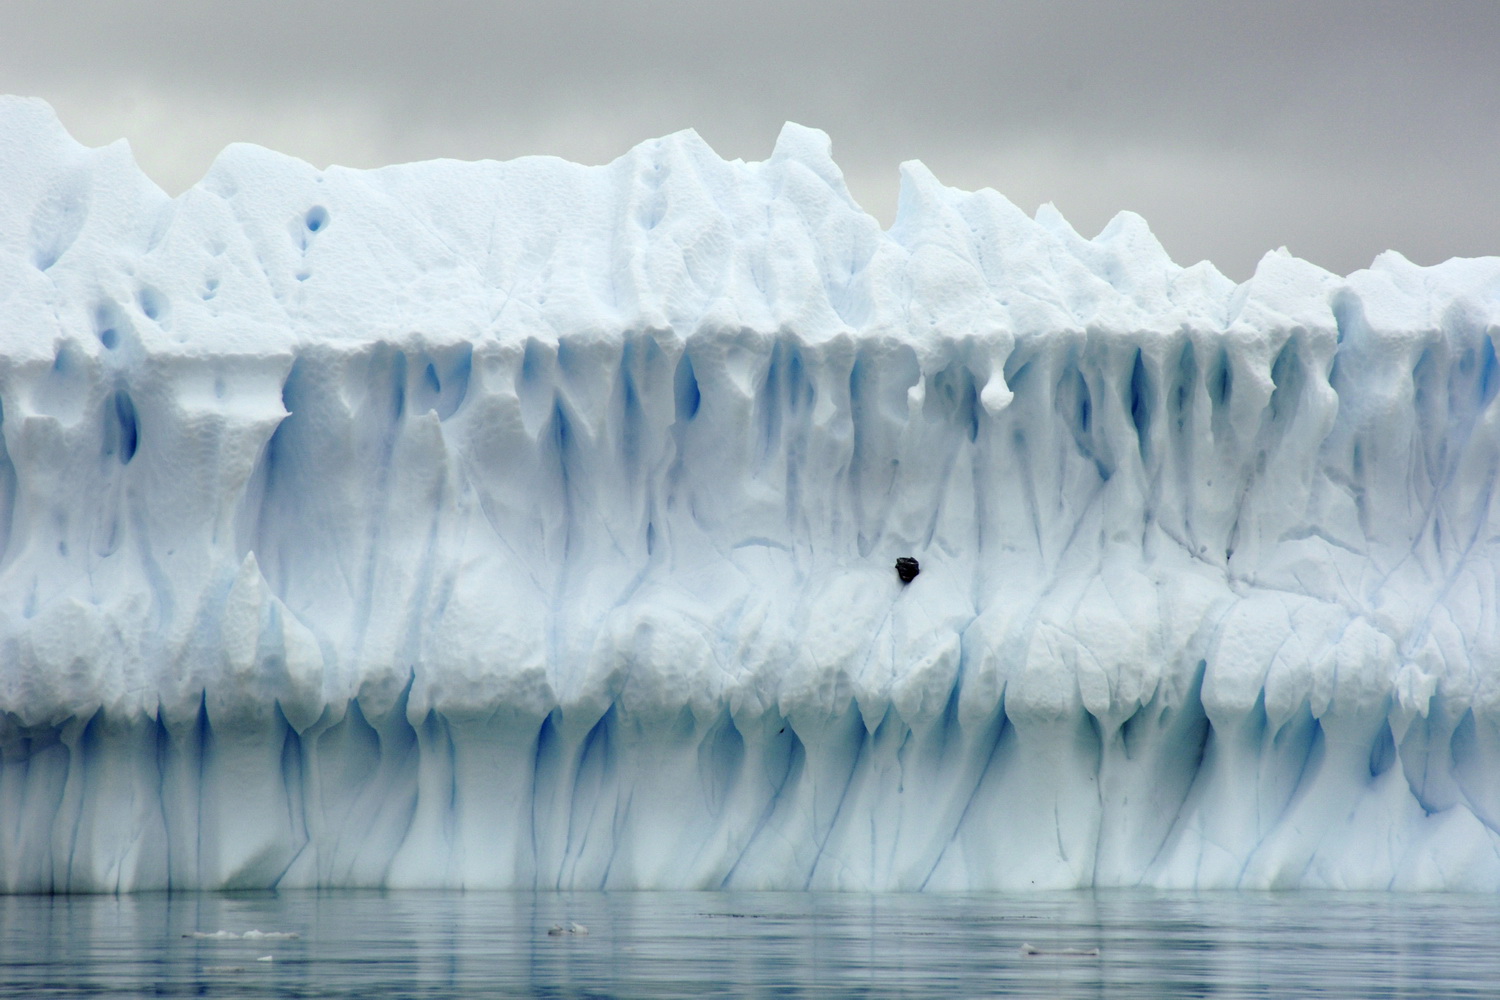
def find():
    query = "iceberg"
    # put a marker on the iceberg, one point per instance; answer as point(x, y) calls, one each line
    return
point(533, 525)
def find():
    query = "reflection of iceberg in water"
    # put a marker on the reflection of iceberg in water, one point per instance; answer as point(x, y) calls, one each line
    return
point(667, 944)
point(531, 524)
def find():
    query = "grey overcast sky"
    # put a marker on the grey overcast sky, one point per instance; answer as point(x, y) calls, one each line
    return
point(1337, 129)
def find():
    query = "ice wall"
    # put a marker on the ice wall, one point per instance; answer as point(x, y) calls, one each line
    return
point(531, 524)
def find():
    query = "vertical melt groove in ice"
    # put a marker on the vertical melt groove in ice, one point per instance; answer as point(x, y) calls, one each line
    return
point(531, 524)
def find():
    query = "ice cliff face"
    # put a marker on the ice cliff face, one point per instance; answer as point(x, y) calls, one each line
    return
point(531, 524)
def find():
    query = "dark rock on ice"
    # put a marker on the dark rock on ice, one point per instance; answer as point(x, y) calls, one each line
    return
point(907, 569)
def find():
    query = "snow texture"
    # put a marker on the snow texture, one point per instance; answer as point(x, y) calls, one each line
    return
point(532, 524)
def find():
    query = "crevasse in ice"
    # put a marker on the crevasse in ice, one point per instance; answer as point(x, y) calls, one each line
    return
point(530, 525)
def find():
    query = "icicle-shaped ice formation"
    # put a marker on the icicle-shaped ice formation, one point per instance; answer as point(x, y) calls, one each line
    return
point(531, 524)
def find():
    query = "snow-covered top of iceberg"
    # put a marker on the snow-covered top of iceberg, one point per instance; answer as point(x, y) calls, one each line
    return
point(268, 252)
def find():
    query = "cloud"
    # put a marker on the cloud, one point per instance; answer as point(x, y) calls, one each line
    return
point(1336, 128)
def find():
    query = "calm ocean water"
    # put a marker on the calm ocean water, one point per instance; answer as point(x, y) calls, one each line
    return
point(416, 944)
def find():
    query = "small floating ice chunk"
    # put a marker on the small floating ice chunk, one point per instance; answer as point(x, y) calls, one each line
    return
point(1032, 950)
point(251, 935)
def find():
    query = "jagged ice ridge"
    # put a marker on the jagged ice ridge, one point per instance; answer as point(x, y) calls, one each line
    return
point(532, 524)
